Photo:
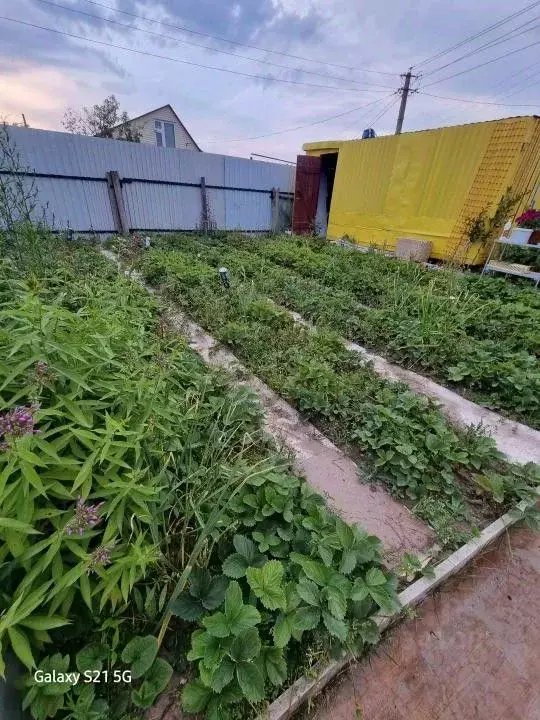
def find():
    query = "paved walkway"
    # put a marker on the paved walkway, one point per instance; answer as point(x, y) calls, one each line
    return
point(472, 653)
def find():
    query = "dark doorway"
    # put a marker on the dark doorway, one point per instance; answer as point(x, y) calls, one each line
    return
point(328, 168)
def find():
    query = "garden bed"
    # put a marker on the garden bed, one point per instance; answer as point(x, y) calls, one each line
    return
point(141, 504)
point(453, 479)
point(441, 323)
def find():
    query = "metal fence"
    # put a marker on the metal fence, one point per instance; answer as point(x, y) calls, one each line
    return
point(94, 185)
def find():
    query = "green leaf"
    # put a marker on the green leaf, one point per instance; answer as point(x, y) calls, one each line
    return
point(282, 631)
point(360, 590)
point(247, 618)
point(186, 607)
point(314, 570)
point(91, 657)
point(140, 653)
point(309, 592)
point(159, 675)
point(217, 625)
point(385, 599)
point(267, 584)
point(235, 566)
point(195, 696)
point(275, 665)
point(245, 547)
point(337, 603)
point(144, 696)
point(21, 647)
point(44, 622)
point(251, 681)
point(374, 576)
point(210, 591)
point(245, 646)
point(306, 618)
point(223, 675)
point(348, 562)
point(19, 526)
point(207, 647)
point(84, 473)
point(345, 534)
point(239, 617)
point(335, 627)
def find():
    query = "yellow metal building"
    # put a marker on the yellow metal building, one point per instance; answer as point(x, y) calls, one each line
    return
point(426, 184)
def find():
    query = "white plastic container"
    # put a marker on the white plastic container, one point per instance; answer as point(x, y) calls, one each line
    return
point(520, 236)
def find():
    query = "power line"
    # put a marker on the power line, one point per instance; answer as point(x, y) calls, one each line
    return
point(506, 37)
point(518, 74)
point(370, 123)
point(299, 127)
point(235, 42)
point(474, 102)
point(267, 78)
point(523, 77)
point(488, 62)
point(524, 87)
point(470, 38)
point(206, 47)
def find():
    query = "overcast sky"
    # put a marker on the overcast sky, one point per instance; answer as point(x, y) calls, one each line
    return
point(44, 72)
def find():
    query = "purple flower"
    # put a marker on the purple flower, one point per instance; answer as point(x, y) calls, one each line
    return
point(85, 518)
point(101, 557)
point(18, 422)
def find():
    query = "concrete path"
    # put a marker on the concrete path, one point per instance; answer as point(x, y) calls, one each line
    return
point(471, 653)
point(518, 442)
point(326, 468)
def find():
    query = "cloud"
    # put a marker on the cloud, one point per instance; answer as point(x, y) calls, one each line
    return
point(349, 39)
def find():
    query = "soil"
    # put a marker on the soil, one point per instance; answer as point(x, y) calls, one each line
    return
point(471, 652)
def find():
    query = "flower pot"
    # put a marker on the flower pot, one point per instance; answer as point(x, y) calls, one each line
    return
point(535, 238)
point(520, 236)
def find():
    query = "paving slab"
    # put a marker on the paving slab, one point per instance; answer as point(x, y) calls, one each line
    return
point(472, 652)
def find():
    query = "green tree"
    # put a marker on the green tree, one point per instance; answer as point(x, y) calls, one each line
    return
point(100, 119)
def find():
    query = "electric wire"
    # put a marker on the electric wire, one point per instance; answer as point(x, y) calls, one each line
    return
point(299, 127)
point(147, 53)
point(507, 37)
point(488, 62)
point(206, 47)
point(470, 38)
point(236, 42)
point(475, 102)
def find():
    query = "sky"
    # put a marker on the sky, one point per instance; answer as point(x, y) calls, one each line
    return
point(339, 57)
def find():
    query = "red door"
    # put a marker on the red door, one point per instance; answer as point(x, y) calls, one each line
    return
point(306, 193)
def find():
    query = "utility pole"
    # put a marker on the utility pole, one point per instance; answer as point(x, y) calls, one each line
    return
point(404, 91)
point(24, 120)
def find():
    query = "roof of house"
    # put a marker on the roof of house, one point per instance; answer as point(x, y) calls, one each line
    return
point(139, 117)
point(333, 145)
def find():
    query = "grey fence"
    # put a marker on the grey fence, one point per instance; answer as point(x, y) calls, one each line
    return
point(103, 186)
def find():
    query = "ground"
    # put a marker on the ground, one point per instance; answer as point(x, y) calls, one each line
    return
point(471, 653)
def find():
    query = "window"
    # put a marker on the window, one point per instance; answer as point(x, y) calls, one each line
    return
point(164, 133)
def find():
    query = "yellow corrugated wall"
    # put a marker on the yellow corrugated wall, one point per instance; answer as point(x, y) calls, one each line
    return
point(426, 184)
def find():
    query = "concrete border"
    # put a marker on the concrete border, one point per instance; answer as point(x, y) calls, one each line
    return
point(308, 686)
point(518, 442)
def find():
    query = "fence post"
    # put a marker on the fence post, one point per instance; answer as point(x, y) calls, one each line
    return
point(117, 202)
point(275, 210)
point(205, 220)
point(114, 206)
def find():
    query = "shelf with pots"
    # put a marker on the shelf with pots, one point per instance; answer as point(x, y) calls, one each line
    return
point(526, 234)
